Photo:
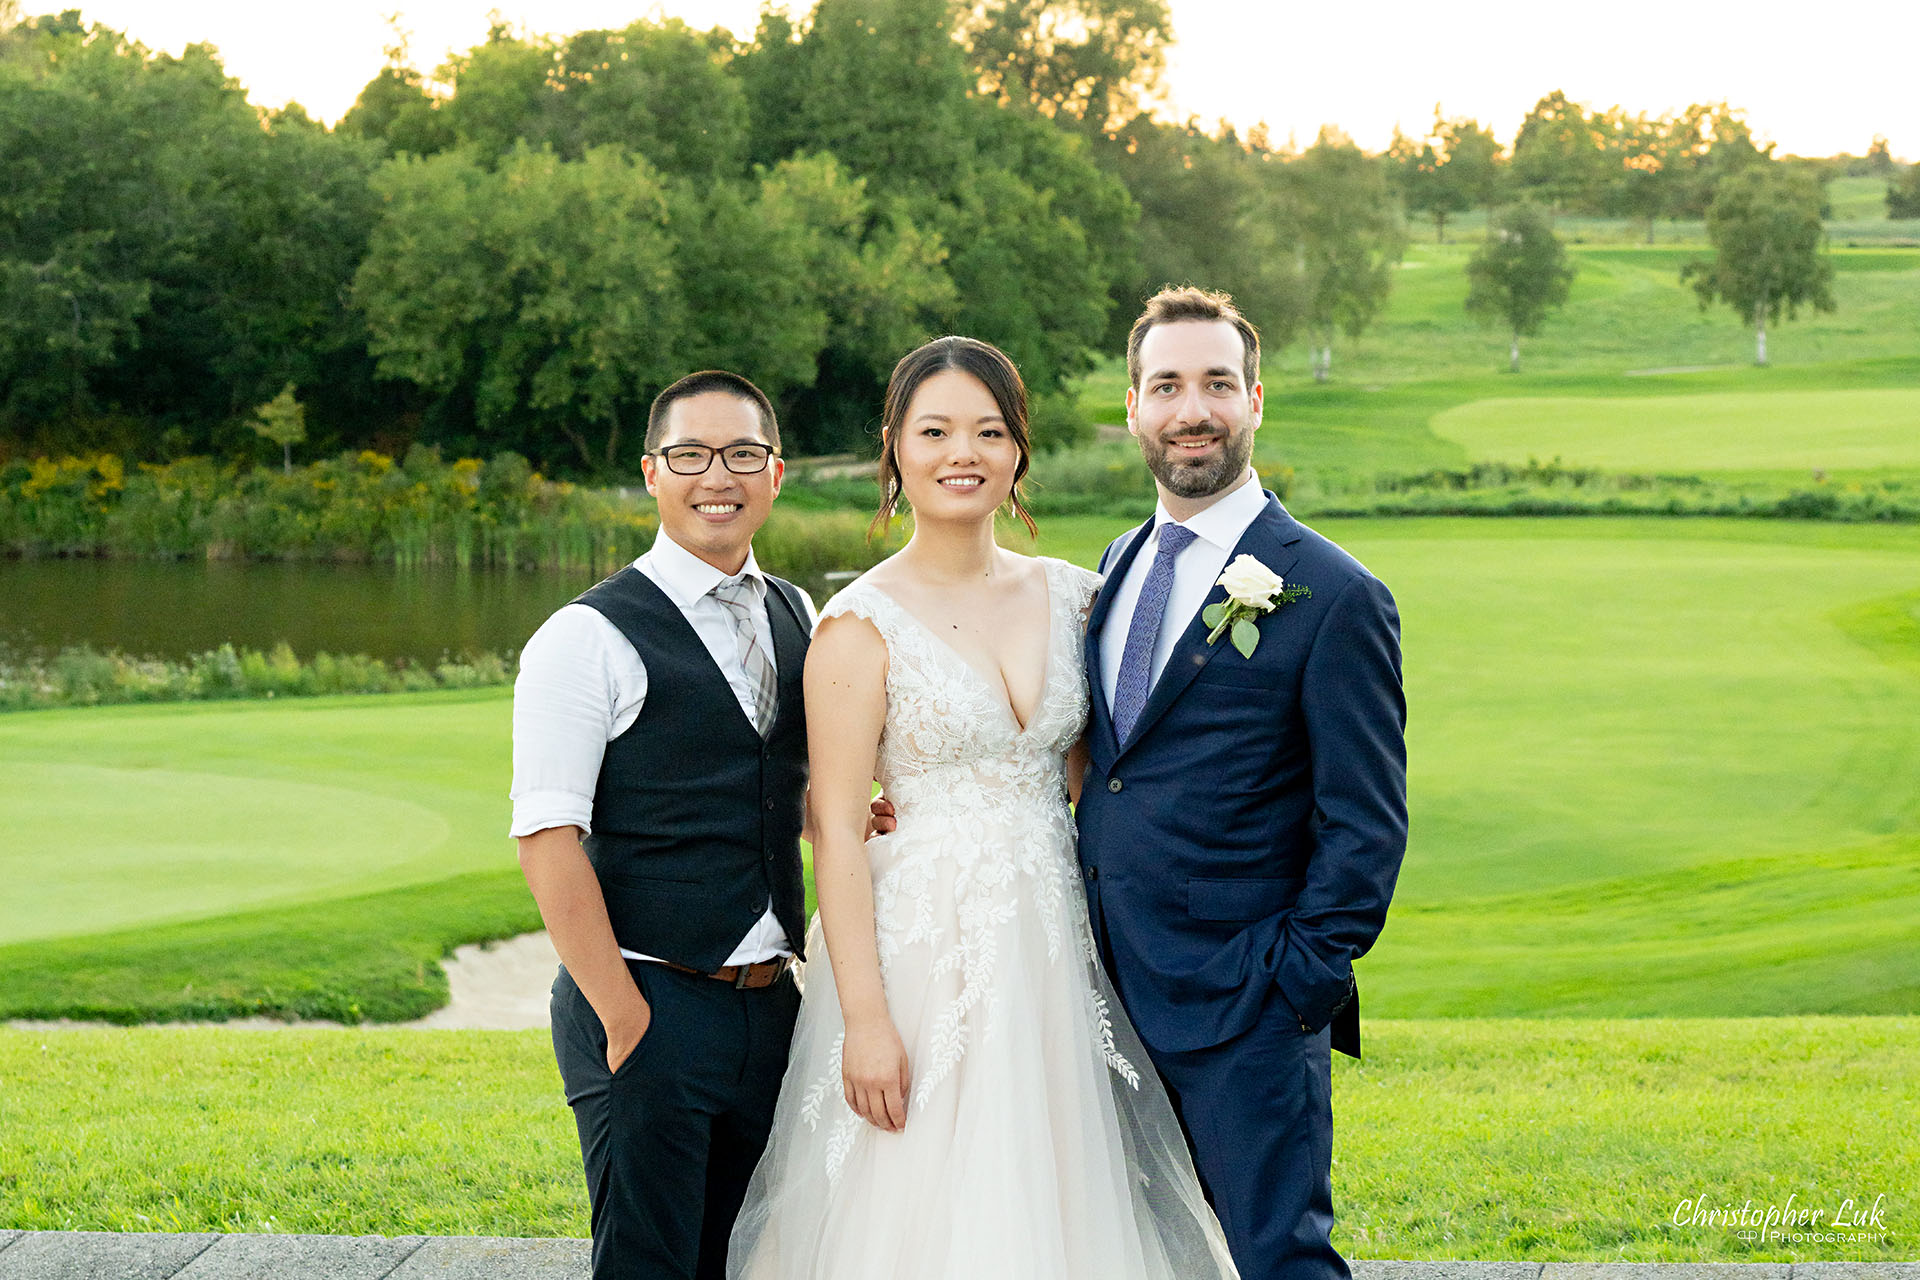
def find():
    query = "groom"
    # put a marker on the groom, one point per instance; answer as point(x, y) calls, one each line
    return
point(1243, 817)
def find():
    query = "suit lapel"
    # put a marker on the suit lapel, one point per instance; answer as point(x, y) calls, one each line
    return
point(1097, 622)
point(1269, 539)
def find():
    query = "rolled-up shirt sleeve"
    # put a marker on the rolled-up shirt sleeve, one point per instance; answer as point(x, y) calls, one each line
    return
point(567, 701)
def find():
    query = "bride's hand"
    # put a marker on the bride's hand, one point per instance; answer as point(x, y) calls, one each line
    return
point(873, 1072)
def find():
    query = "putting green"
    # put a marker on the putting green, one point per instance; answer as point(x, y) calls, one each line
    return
point(138, 815)
point(1730, 431)
point(224, 843)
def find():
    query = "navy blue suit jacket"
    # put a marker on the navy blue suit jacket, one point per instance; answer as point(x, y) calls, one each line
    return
point(1243, 844)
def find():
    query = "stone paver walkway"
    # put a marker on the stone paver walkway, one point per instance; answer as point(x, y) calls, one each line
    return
point(103, 1255)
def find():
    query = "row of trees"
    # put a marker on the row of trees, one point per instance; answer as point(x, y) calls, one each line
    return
point(1612, 163)
point(1768, 258)
point(517, 253)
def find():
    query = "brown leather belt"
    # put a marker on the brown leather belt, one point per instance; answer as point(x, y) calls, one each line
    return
point(744, 977)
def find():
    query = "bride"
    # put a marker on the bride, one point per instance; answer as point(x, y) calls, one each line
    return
point(965, 1099)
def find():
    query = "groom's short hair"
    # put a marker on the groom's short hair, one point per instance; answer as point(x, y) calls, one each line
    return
point(699, 384)
point(1185, 302)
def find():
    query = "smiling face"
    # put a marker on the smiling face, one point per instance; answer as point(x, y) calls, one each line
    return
point(716, 513)
point(957, 457)
point(1192, 410)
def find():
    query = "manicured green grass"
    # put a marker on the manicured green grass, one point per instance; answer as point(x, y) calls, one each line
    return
point(312, 857)
point(1658, 767)
point(1752, 430)
point(157, 814)
point(1542, 1140)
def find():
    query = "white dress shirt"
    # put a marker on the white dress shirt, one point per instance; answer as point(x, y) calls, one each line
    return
point(1196, 570)
point(581, 685)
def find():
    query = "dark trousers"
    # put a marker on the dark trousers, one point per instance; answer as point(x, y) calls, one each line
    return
point(670, 1140)
point(1258, 1111)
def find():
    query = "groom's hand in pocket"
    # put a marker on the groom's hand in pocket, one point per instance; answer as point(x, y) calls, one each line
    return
point(873, 1074)
point(625, 1035)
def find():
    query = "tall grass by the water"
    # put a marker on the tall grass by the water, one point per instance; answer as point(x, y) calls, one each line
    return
point(357, 507)
point(83, 676)
point(366, 508)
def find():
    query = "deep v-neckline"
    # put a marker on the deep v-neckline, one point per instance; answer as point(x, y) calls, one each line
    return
point(1006, 703)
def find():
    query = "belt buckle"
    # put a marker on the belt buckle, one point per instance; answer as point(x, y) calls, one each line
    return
point(740, 976)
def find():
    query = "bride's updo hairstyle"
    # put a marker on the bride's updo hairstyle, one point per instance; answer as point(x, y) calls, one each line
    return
point(969, 355)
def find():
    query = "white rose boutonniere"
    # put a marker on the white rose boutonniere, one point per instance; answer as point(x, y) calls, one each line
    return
point(1253, 592)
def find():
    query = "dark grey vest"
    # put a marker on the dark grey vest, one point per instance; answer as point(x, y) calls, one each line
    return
point(696, 819)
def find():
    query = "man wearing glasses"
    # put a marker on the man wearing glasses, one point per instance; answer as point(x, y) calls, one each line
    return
point(659, 782)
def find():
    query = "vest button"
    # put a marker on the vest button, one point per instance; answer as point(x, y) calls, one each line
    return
point(1093, 873)
point(1113, 785)
point(769, 804)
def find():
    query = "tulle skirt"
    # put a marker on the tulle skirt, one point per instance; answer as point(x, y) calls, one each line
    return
point(1039, 1143)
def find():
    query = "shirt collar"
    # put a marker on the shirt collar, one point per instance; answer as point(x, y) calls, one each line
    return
point(685, 576)
point(1225, 521)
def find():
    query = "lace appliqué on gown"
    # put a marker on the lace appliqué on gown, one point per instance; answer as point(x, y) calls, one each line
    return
point(1027, 1085)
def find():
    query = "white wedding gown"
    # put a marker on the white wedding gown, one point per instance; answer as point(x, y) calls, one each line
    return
point(1039, 1144)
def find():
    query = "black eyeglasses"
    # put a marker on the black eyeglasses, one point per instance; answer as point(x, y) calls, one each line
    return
point(694, 459)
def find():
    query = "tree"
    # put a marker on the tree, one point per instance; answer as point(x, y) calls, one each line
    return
point(658, 89)
point(1090, 63)
point(1638, 180)
point(1765, 228)
point(538, 300)
point(779, 273)
point(169, 254)
point(1473, 161)
point(1556, 155)
point(1420, 173)
point(1350, 241)
point(283, 420)
point(1519, 275)
point(395, 112)
point(1214, 211)
point(1903, 194)
point(1455, 168)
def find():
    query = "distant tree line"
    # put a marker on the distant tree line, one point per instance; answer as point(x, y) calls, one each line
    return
point(517, 252)
point(1571, 159)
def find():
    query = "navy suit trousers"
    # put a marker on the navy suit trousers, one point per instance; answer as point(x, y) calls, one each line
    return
point(671, 1138)
point(1258, 1112)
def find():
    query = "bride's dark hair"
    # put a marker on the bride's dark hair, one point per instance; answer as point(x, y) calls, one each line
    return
point(969, 355)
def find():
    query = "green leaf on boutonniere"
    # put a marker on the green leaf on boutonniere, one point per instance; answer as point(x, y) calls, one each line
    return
point(1245, 636)
point(1214, 614)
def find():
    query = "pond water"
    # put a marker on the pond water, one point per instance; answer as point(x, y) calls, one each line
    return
point(175, 608)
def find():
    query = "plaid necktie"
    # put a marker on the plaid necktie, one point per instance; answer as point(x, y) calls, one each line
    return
point(740, 595)
point(1143, 633)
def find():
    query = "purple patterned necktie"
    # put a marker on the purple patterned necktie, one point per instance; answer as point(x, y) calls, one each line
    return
point(1143, 633)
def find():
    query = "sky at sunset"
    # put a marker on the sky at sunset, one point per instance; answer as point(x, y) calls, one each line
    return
point(1816, 79)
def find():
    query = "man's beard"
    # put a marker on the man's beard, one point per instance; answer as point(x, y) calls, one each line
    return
point(1204, 477)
